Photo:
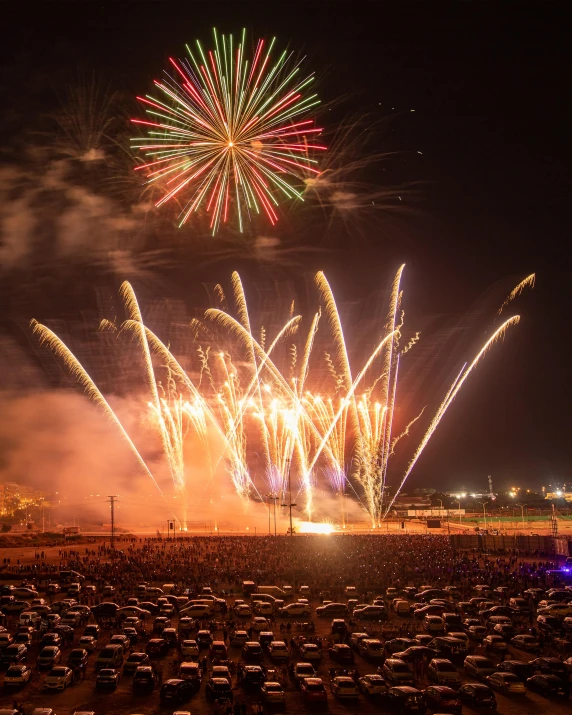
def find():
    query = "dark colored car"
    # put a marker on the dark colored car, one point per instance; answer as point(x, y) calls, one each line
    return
point(332, 609)
point(14, 654)
point(477, 695)
point(548, 666)
point(107, 609)
point(92, 630)
point(252, 676)
point(370, 613)
point(519, 668)
point(144, 678)
point(218, 689)
point(204, 639)
point(341, 653)
point(252, 652)
point(441, 699)
point(175, 691)
point(51, 639)
point(134, 661)
point(107, 679)
point(157, 647)
point(548, 685)
point(405, 699)
point(313, 690)
point(416, 653)
point(77, 658)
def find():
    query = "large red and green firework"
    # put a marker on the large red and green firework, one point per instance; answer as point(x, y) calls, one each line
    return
point(231, 131)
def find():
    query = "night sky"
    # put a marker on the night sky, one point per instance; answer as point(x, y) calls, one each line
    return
point(489, 84)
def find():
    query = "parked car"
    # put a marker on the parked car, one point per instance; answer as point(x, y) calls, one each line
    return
point(143, 679)
point(506, 683)
point(175, 691)
point(133, 661)
point(443, 672)
point(477, 695)
point(396, 672)
point(313, 691)
point(342, 686)
point(341, 653)
point(17, 675)
point(442, 699)
point(516, 667)
point(107, 679)
point(478, 666)
point(272, 693)
point(548, 685)
point(48, 657)
point(218, 689)
point(372, 684)
point(58, 678)
point(405, 699)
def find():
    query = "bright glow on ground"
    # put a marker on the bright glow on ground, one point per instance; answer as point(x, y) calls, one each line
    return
point(310, 527)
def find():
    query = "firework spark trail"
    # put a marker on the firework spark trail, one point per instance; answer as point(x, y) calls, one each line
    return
point(347, 397)
point(499, 332)
point(333, 317)
point(390, 388)
point(528, 282)
point(225, 135)
point(59, 348)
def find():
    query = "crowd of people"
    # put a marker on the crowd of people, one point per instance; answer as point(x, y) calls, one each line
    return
point(370, 563)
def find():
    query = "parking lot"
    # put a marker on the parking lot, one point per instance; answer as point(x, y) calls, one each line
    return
point(306, 632)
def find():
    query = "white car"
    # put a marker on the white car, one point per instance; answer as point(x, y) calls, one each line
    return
point(88, 643)
point(277, 650)
point(372, 684)
point(260, 624)
point(190, 648)
point(272, 692)
point(343, 686)
point(243, 610)
point(58, 678)
point(296, 609)
point(310, 652)
point(17, 675)
point(239, 638)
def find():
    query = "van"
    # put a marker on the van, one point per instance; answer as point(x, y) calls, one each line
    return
point(396, 672)
point(275, 591)
point(248, 587)
point(197, 610)
point(74, 588)
point(111, 656)
point(401, 607)
point(452, 621)
point(29, 618)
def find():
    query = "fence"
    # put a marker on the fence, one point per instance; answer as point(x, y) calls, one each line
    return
point(546, 544)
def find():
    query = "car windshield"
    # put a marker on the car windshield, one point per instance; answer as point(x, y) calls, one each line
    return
point(57, 671)
point(315, 686)
point(374, 646)
point(11, 672)
point(274, 688)
point(400, 668)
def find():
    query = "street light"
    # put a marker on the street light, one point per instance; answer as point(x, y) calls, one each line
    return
point(460, 515)
point(522, 514)
point(484, 505)
point(290, 504)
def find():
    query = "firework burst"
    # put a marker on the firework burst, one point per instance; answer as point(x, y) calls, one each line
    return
point(229, 132)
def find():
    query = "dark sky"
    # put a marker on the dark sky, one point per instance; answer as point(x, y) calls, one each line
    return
point(490, 85)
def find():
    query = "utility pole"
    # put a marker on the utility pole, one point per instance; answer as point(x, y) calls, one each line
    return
point(522, 513)
point(484, 505)
point(290, 504)
point(274, 498)
point(112, 505)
